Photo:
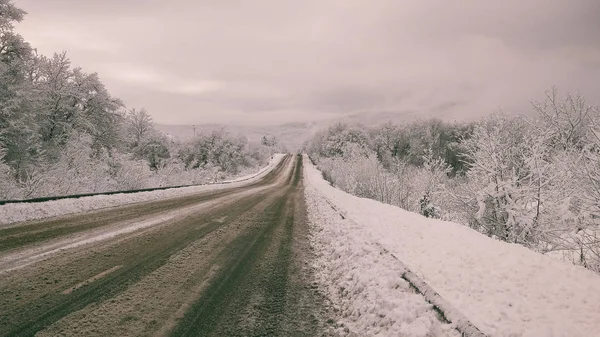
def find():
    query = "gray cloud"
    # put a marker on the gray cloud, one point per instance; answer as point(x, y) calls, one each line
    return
point(273, 61)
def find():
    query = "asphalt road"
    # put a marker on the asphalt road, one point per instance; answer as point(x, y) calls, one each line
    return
point(226, 263)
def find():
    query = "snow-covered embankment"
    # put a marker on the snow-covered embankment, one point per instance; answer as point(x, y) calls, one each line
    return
point(14, 213)
point(503, 289)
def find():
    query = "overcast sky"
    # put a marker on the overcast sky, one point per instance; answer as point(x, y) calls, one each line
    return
point(273, 61)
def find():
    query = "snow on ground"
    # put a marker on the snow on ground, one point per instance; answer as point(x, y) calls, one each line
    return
point(363, 284)
point(272, 162)
point(504, 289)
point(14, 213)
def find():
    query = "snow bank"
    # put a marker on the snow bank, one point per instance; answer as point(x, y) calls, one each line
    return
point(14, 213)
point(504, 289)
point(364, 284)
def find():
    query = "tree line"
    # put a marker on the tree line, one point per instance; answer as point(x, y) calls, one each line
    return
point(530, 179)
point(62, 132)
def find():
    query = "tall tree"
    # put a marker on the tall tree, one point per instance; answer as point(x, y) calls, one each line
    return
point(139, 124)
point(17, 132)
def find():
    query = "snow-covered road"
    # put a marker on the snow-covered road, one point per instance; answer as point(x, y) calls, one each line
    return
point(503, 289)
point(227, 263)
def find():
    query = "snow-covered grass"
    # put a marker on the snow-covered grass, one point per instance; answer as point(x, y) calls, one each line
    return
point(15, 213)
point(504, 289)
point(363, 283)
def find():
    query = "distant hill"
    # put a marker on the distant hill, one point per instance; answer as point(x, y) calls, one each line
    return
point(291, 135)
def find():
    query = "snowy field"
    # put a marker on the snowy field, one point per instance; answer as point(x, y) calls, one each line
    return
point(503, 289)
point(364, 284)
point(15, 213)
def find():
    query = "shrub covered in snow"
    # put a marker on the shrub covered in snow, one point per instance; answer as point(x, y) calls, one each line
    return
point(529, 180)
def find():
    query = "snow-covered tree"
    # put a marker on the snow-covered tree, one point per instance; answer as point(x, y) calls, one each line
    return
point(8, 186)
point(566, 119)
point(338, 139)
point(139, 125)
point(498, 152)
point(435, 172)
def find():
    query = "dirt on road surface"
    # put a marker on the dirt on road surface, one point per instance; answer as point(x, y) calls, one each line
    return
point(227, 263)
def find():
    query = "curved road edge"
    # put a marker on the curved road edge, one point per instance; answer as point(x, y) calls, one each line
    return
point(14, 213)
